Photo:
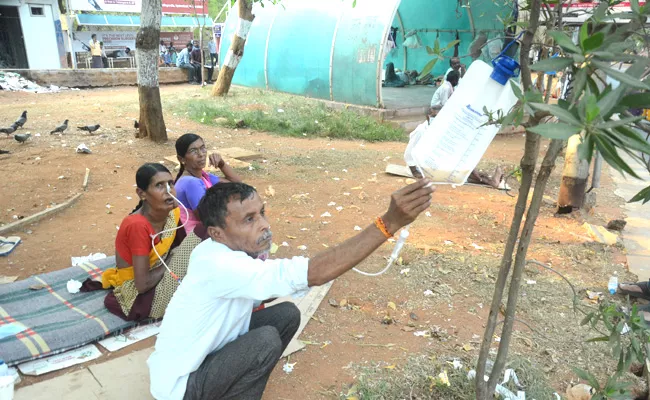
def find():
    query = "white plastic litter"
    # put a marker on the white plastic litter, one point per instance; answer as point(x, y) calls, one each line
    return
point(91, 257)
point(15, 83)
point(505, 393)
point(357, 228)
point(73, 286)
point(325, 214)
point(288, 368)
point(428, 293)
point(82, 148)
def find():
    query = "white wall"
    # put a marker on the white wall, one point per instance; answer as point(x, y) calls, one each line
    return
point(39, 33)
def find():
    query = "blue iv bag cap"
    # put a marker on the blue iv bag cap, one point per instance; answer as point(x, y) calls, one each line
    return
point(504, 69)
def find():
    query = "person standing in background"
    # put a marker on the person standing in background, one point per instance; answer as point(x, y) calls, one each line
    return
point(212, 48)
point(104, 57)
point(96, 52)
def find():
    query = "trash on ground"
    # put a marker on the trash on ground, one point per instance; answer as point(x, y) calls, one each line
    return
point(15, 83)
point(580, 392)
point(91, 257)
point(288, 368)
point(83, 149)
point(73, 286)
point(616, 225)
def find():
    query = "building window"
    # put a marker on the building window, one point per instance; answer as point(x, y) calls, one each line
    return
point(36, 11)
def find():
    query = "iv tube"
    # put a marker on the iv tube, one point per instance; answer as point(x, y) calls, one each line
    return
point(153, 237)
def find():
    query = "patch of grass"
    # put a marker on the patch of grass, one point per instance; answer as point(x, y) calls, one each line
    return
point(419, 379)
point(287, 115)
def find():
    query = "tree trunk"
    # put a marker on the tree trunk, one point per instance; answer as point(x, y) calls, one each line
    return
point(520, 261)
point(528, 163)
point(574, 178)
point(236, 51)
point(152, 124)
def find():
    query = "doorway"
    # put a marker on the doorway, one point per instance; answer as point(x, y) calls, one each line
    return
point(12, 48)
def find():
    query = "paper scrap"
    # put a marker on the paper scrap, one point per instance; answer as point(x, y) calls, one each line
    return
point(73, 286)
point(60, 361)
point(117, 342)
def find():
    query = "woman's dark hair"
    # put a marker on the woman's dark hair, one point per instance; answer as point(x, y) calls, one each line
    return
point(213, 207)
point(182, 145)
point(143, 177)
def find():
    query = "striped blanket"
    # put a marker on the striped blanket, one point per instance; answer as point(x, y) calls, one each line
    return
point(55, 320)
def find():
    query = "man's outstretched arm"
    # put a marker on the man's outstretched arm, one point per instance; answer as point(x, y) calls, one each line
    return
point(405, 205)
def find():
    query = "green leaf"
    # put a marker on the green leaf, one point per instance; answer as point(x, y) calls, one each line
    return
point(622, 77)
point(578, 84)
point(586, 148)
point(564, 41)
point(430, 51)
point(516, 90)
point(427, 68)
point(632, 139)
point(591, 108)
point(450, 45)
point(552, 64)
point(636, 100)
point(616, 123)
point(597, 339)
point(609, 99)
point(601, 11)
point(593, 42)
point(555, 131)
point(611, 156)
point(562, 114)
point(586, 376)
point(586, 319)
point(634, 5)
point(643, 196)
point(584, 33)
point(436, 46)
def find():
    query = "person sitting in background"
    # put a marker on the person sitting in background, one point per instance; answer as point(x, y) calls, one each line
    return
point(444, 91)
point(455, 65)
point(142, 286)
point(391, 79)
point(192, 181)
point(195, 59)
point(183, 61)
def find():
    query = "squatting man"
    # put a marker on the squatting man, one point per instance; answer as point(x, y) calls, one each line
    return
point(211, 344)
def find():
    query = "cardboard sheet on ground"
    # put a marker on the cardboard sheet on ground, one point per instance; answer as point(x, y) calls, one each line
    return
point(307, 306)
point(60, 361)
point(117, 342)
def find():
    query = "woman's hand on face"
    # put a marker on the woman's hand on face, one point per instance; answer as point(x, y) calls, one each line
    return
point(216, 160)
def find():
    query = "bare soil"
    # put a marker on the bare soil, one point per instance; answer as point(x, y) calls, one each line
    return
point(454, 252)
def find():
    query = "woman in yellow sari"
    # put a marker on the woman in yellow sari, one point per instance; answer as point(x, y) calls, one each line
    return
point(142, 287)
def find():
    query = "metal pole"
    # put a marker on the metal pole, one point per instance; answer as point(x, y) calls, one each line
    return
point(73, 56)
point(598, 168)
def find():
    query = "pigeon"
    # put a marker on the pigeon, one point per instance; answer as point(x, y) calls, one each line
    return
point(9, 130)
point(89, 128)
point(135, 124)
point(60, 128)
point(21, 121)
point(4, 151)
point(22, 137)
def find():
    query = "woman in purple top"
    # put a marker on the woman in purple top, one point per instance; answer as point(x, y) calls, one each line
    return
point(192, 181)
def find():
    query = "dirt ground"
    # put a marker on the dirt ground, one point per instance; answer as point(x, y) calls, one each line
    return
point(456, 247)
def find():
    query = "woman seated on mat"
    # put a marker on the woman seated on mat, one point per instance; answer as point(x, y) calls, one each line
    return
point(192, 181)
point(142, 286)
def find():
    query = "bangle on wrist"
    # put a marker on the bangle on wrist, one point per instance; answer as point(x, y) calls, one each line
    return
point(379, 223)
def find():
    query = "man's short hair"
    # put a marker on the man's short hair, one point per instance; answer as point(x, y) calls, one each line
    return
point(213, 207)
point(453, 75)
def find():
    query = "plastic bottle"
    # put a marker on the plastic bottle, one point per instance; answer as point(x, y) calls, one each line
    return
point(459, 135)
point(612, 286)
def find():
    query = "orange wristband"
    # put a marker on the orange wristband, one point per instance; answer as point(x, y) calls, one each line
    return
point(379, 223)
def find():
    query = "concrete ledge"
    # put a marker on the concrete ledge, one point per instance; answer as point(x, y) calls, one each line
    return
point(100, 77)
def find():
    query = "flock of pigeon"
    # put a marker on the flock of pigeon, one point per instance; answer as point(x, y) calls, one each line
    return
point(23, 137)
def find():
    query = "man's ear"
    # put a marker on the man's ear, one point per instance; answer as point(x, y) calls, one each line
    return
point(216, 233)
